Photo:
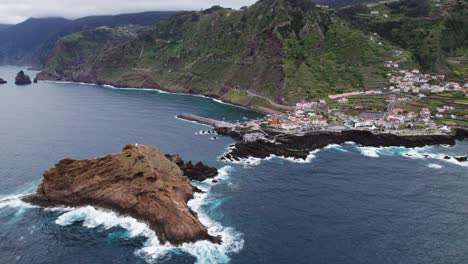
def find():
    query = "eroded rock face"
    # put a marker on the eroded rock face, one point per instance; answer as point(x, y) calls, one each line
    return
point(139, 181)
point(2, 81)
point(22, 79)
point(197, 172)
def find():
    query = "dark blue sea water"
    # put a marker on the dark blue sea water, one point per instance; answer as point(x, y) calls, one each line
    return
point(347, 205)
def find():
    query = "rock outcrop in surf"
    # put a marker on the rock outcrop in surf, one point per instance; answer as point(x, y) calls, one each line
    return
point(197, 172)
point(139, 181)
point(299, 147)
point(22, 78)
point(2, 81)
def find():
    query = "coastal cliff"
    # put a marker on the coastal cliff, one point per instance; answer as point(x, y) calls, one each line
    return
point(140, 181)
point(299, 147)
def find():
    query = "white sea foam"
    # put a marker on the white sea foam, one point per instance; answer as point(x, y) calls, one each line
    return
point(428, 152)
point(336, 147)
point(434, 166)
point(253, 161)
point(153, 250)
point(369, 152)
point(14, 201)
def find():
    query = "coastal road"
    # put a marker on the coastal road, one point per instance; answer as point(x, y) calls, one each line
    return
point(273, 103)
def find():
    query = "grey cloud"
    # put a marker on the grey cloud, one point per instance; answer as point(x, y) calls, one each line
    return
point(15, 11)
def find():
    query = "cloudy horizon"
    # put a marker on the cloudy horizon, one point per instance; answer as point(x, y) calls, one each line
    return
point(17, 11)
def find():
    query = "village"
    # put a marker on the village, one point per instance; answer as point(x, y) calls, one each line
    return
point(336, 113)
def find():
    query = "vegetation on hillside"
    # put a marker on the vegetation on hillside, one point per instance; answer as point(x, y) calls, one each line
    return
point(286, 50)
point(434, 31)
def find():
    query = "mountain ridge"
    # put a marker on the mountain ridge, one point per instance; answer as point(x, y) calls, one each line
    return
point(31, 41)
point(273, 52)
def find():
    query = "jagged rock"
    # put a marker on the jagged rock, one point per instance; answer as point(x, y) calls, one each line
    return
point(299, 147)
point(139, 181)
point(35, 79)
point(2, 81)
point(461, 159)
point(22, 79)
point(197, 172)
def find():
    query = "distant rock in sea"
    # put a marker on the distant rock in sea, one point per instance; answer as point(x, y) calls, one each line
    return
point(35, 79)
point(139, 181)
point(22, 79)
point(2, 81)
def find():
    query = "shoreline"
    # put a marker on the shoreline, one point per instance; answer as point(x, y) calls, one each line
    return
point(159, 90)
point(261, 144)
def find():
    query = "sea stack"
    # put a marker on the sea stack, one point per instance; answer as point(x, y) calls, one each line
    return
point(2, 81)
point(139, 181)
point(22, 79)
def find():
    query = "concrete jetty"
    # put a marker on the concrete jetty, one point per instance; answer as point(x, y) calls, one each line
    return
point(206, 121)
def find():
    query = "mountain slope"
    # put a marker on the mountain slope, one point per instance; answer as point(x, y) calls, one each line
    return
point(436, 32)
point(4, 26)
point(31, 41)
point(19, 42)
point(285, 50)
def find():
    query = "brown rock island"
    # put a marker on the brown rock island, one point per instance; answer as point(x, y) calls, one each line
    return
point(139, 181)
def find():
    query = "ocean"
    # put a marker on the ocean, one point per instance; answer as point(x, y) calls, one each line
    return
point(346, 204)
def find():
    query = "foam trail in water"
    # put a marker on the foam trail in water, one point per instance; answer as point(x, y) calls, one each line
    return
point(153, 250)
point(434, 166)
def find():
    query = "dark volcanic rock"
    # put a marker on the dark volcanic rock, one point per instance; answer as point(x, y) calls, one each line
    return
point(2, 81)
point(300, 146)
point(461, 159)
point(197, 172)
point(139, 181)
point(22, 79)
point(35, 79)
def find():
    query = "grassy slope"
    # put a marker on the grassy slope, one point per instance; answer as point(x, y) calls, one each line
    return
point(432, 37)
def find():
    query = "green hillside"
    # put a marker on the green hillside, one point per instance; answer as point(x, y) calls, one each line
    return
point(285, 50)
point(435, 31)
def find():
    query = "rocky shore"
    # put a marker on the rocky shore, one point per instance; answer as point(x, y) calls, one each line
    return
point(139, 181)
point(299, 147)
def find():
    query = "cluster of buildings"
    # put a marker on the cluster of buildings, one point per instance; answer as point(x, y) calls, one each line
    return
point(393, 120)
point(416, 82)
point(315, 115)
point(304, 117)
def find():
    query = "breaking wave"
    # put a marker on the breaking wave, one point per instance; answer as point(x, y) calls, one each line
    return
point(336, 147)
point(429, 152)
point(253, 161)
point(434, 166)
point(14, 201)
point(152, 250)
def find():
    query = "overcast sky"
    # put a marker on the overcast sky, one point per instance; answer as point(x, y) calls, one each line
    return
point(15, 11)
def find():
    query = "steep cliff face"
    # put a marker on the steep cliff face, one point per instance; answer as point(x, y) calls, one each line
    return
point(139, 181)
point(285, 50)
